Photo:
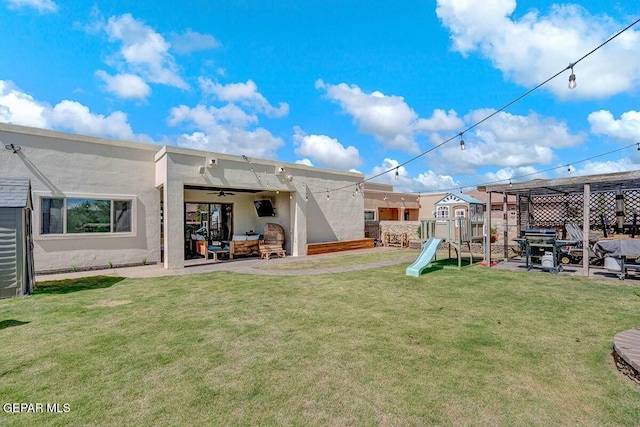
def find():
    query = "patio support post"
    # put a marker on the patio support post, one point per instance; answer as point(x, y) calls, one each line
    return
point(585, 229)
point(487, 232)
point(173, 224)
point(505, 216)
point(298, 224)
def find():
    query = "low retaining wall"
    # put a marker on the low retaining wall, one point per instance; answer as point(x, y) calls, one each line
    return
point(345, 245)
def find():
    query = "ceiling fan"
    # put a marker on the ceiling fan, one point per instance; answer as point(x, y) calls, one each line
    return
point(222, 193)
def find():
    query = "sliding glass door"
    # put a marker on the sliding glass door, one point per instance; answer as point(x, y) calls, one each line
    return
point(207, 223)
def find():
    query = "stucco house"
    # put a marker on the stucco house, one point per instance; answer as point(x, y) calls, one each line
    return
point(99, 202)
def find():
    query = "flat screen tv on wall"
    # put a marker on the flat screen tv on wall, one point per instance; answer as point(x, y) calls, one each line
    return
point(264, 208)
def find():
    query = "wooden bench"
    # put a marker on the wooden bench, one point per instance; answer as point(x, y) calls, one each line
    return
point(345, 245)
point(267, 250)
point(399, 240)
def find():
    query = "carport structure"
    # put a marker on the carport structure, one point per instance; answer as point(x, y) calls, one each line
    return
point(591, 202)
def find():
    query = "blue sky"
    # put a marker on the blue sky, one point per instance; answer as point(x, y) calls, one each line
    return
point(349, 85)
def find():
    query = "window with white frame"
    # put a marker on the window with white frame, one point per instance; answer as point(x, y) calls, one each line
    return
point(85, 215)
point(442, 212)
point(460, 213)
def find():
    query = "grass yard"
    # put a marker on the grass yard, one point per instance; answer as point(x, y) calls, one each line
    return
point(371, 347)
point(341, 259)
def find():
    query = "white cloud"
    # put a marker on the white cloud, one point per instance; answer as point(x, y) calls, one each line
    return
point(627, 128)
point(328, 152)
point(128, 86)
point(440, 121)
point(523, 173)
point(224, 130)
point(243, 93)
point(204, 116)
point(531, 49)
point(20, 108)
point(305, 161)
point(144, 51)
point(77, 117)
point(427, 181)
point(594, 168)
point(43, 6)
point(388, 118)
point(191, 41)
point(508, 140)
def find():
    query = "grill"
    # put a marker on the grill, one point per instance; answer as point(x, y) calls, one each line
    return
point(543, 248)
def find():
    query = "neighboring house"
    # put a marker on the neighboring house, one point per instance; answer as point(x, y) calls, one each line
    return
point(16, 256)
point(98, 202)
point(381, 203)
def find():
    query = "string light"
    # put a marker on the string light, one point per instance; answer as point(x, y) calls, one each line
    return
point(572, 78)
point(385, 197)
point(569, 169)
point(397, 174)
point(327, 194)
point(510, 184)
point(506, 106)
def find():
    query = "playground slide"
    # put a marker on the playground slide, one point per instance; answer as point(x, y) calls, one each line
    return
point(424, 260)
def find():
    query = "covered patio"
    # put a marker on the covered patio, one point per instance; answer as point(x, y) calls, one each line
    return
point(606, 205)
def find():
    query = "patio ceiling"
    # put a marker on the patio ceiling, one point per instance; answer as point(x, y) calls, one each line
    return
point(570, 185)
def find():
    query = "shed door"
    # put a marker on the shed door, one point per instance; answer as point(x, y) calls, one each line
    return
point(8, 239)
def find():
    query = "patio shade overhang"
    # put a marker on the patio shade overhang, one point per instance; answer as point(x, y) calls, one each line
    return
point(570, 185)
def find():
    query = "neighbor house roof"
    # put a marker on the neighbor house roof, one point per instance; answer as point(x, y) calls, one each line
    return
point(464, 197)
point(15, 193)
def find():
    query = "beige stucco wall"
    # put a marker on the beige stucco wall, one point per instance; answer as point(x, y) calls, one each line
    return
point(65, 165)
point(74, 166)
point(315, 220)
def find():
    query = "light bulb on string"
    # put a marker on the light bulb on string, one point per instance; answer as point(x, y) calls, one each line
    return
point(462, 146)
point(572, 78)
point(397, 174)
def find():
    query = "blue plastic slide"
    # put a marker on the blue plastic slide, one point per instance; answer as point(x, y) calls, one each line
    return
point(424, 260)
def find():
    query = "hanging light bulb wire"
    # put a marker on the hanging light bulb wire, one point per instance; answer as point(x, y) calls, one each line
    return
point(501, 109)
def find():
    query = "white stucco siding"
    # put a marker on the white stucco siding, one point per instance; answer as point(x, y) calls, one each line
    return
point(68, 166)
point(340, 217)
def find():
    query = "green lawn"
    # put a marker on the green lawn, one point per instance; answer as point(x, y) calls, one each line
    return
point(341, 259)
point(374, 347)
